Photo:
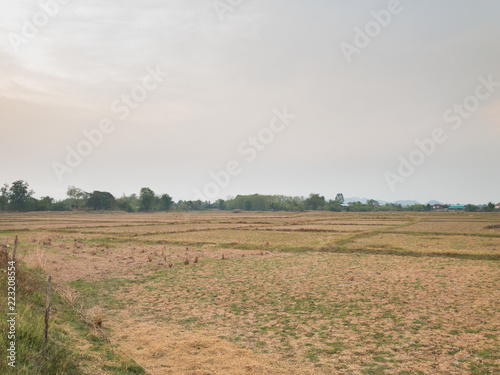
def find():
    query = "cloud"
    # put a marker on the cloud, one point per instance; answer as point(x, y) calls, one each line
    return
point(354, 120)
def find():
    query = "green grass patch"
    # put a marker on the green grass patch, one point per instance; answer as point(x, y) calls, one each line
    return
point(65, 326)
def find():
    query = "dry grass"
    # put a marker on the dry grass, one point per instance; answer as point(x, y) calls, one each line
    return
point(68, 293)
point(460, 225)
point(4, 258)
point(40, 261)
point(342, 313)
point(260, 282)
point(171, 350)
point(94, 316)
point(430, 243)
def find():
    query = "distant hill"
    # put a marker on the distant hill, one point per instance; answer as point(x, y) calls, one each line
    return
point(432, 203)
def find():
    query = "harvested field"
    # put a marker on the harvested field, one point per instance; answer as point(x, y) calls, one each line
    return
point(278, 293)
point(437, 244)
point(459, 226)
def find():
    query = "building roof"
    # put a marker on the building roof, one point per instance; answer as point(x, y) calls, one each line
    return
point(457, 206)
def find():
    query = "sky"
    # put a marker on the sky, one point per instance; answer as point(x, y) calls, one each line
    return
point(209, 99)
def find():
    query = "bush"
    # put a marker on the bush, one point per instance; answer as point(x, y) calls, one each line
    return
point(126, 206)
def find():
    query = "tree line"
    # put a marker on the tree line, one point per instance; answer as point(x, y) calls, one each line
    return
point(19, 197)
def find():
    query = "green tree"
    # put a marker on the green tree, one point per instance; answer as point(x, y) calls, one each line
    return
point(221, 204)
point(248, 205)
point(146, 199)
point(101, 200)
point(132, 201)
point(489, 207)
point(125, 205)
point(314, 202)
point(4, 198)
point(166, 202)
point(471, 208)
point(76, 195)
point(60, 206)
point(182, 206)
point(358, 207)
point(416, 207)
point(335, 206)
point(191, 205)
point(18, 195)
point(340, 198)
point(45, 204)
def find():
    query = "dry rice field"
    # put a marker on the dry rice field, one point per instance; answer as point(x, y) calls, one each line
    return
point(280, 293)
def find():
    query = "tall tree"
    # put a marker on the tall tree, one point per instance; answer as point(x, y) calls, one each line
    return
point(221, 204)
point(19, 195)
point(146, 199)
point(335, 206)
point(4, 198)
point(471, 208)
point(340, 198)
point(101, 200)
point(489, 207)
point(166, 202)
point(314, 202)
point(76, 195)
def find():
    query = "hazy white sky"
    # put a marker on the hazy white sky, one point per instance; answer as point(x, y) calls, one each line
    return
point(68, 66)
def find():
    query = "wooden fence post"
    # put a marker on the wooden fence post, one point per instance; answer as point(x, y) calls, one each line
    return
point(47, 309)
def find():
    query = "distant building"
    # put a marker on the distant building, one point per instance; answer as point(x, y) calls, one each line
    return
point(438, 207)
point(456, 207)
point(497, 206)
